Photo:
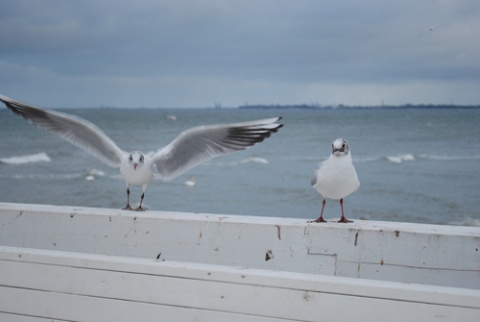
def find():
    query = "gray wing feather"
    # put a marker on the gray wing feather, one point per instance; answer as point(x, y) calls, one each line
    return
point(203, 143)
point(313, 181)
point(75, 130)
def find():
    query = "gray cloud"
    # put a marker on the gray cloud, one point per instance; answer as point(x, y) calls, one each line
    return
point(194, 53)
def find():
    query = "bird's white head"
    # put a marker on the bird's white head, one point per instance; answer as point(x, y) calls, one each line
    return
point(136, 159)
point(340, 147)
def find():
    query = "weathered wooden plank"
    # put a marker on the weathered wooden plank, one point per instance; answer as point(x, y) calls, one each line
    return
point(423, 249)
point(68, 307)
point(9, 317)
point(217, 289)
point(412, 253)
point(356, 287)
point(72, 307)
point(339, 308)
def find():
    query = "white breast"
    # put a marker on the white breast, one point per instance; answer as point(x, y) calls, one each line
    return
point(141, 176)
point(337, 178)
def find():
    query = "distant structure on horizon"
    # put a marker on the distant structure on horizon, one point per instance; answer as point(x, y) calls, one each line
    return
point(350, 107)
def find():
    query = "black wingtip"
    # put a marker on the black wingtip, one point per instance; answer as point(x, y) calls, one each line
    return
point(275, 130)
point(22, 109)
point(280, 125)
point(6, 100)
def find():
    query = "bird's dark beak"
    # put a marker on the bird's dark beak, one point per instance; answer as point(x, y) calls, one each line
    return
point(135, 165)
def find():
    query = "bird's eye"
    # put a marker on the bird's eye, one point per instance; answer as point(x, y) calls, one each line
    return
point(130, 158)
point(141, 158)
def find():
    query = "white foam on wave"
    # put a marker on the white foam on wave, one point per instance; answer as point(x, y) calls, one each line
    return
point(48, 176)
point(449, 157)
point(30, 158)
point(400, 158)
point(469, 222)
point(94, 174)
point(410, 157)
point(366, 159)
point(252, 160)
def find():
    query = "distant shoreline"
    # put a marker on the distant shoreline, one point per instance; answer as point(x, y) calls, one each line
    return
point(354, 107)
point(287, 107)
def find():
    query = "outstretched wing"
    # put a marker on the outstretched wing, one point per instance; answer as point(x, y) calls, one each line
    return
point(75, 130)
point(203, 143)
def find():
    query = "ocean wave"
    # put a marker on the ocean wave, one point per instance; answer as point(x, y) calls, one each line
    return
point(449, 157)
point(400, 158)
point(470, 222)
point(411, 157)
point(47, 176)
point(94, 174)
point(251, 160)
point(366, 159)
point(23, 159)
point(237, 162)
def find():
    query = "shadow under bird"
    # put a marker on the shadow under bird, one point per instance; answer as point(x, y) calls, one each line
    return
point(190, 148)
point(336, 178)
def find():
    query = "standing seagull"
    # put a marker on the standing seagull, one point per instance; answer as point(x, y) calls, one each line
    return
point(189, 149)
point(336, 178)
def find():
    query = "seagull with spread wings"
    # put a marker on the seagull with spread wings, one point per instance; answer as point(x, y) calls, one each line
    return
point(190, 148)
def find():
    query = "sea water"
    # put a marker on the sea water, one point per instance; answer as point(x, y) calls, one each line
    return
point(414, 165)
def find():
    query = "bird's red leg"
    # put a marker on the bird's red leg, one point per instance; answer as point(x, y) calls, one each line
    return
point(141, 201)
point(343, 219)
point(320, 219)
point(127, 207)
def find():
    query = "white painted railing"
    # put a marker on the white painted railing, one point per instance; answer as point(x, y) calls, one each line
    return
point(88, 264)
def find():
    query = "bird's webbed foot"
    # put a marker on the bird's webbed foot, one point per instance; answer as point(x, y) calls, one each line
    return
point(317, 220)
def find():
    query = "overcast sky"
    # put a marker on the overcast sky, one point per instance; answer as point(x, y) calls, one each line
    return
point(57, 53)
